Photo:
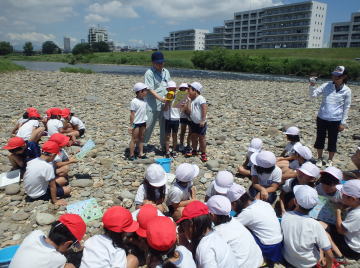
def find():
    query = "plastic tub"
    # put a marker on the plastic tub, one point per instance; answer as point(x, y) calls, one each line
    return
point(165, 163)
point(6, 254)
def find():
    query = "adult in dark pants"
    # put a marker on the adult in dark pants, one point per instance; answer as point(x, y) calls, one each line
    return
point(333, 112)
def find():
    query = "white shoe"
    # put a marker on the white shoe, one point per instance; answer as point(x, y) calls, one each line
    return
point(320, 162)
point(329, 163)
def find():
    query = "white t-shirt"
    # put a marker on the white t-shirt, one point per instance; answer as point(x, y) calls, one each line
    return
point(34, 252)
point(261, 219)
point(141, 194)
point(37, 176)
point(303, 236)
point(53, 126)
point(139, 107)
point(289, 148)
point(195, 114)
point(99, 252)
point(77, 122)
point(172, 113)
point(26, 129)
point(214, 252)
point(266, 179)
point(210, 191)
point(242, 243)
point(336, 198)
point(352, 226)
point(22, 120)
point(185, 258)
point(178, 193)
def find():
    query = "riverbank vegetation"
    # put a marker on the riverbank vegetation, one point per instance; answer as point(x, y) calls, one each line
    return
point(76, 70)
point(8, 66)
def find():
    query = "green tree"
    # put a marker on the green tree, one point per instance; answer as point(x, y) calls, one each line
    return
point(100, 47)
point(81, 49)
point(28, 49)
point(5, 48)
point(49, 47)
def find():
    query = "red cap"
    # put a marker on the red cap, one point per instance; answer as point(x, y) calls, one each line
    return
point(65, 112)
point(161, 233)
point(119, 219)
point(55, 111)
point(48, 112)
point(33, 113)
point(51, 147)
point(61, 139)
point(13, 143)
point(31, 109)
point(146, 214)
point(194, 209)
point(75, 224)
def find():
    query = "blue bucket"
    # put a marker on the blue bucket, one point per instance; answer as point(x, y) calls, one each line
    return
point(165, 163)
point(6, 254)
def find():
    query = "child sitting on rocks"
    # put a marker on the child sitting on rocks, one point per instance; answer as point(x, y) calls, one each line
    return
point(287, 156)
point(30, 129)
point(255, 147)
point(73, 126)
point(39, 251)
point(39, 178)
point(138, 118)
point(54, 124)
point(223, 181)
point(23, 119)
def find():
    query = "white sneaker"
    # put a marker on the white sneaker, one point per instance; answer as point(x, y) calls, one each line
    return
point(329, 163)
point(320, 162)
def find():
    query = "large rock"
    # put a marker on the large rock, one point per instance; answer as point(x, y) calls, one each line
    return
point(12, 189)
point(44, 218)
point(212, 164)
point(126, 194)
point(20, 216)
point(82, 183)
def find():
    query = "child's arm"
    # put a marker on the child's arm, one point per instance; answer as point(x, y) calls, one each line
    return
point(273, 187)
point(64, 163)
point(156, 95)
point(54, 200)
point(15, 129)
point(187, 107)
point(263, 194)
point(132, 117)
point(339, 227)
point(166, 106)
point(203, 114)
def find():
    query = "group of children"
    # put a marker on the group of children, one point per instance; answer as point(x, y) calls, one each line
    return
point(44, 168)
point(188, 113)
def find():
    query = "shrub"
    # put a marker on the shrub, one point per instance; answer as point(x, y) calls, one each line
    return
point(75, 70)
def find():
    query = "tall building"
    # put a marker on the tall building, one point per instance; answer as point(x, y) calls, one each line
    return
point(216, 38)
point(346, 34)
point(192, 39)
point(298, 25)
point(97, 34)
point(67, 47)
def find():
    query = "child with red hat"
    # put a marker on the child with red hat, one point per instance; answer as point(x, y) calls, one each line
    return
point(39, 178)
point(21, 152)
point(163, 252)
point(111, 248)
point(54, 124)
point(23, 119)
point(73, 126)
point(30, 129)
point(39, 251)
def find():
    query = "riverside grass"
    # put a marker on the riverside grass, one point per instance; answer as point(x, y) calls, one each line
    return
point(8, 66)
point(301, 62)
point(75, 70)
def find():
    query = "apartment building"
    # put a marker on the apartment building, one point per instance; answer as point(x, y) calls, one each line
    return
point(192, 39)
point(346, 34)
point(97, 34)
point(216, 38)
point(298, 25)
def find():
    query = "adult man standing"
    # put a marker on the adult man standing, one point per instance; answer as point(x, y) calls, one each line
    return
point(156, 79)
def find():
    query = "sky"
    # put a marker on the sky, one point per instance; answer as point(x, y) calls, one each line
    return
point(130, 22)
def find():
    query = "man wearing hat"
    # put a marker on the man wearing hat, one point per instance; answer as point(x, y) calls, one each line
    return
point(333, 112)
point(156, 79)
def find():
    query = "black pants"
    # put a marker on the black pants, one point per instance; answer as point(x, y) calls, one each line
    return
point(329, 128)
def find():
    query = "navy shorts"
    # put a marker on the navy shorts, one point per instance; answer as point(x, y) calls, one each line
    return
point(139, 125)
point(197, 129)
point(81, 132)
point(185, 121)
point(270, 252)
point(47, 195)
point(171, 126)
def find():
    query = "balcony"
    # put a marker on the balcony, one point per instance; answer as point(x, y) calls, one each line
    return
point(287, 18)
point(290, 10)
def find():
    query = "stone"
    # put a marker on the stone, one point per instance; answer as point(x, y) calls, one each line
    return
point(271, 131)
point(16, 237)
point(126, 194)
point(20, 216)
point(203, 180)
point(82, 183)
point(85, 193)
point(12, 189)
point(44, 218)
point(212, 164)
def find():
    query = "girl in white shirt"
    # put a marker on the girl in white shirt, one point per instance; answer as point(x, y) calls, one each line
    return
point(288, 154)
point(30, 129)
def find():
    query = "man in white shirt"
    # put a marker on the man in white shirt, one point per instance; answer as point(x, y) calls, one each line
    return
point(304, 236)
point(39, 251)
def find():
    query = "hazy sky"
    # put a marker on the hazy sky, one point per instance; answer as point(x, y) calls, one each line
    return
point(130, 22)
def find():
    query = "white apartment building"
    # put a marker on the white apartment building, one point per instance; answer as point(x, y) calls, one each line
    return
point(97, 34)
point(192, 39)
point(67, 47)
point(346, 34)
point(298, 25)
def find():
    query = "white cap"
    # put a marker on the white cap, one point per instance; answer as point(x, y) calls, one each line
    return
point(197, 86)
point(335, 172)
point(303, 151)
point(310, 169)
point(223, 181)
point(306, 196)
point(263, 159)
point(255, 145)
point(155, 175)
point(339, 70)
point(184, 85)
point(139, 86)
point(186, 172)
point(294, 131)
point(235, 192)
point(219, 205)
point(171, 84)
point(351, 188)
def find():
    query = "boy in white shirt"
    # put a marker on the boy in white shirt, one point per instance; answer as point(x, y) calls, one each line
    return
point(254, 147)
point(197, 109)
point(74, 126)
point(138, 119)
point(172, 120)
point(54, 124)
point(182, 192)
point(304, 237)
point(39, 178)
point(241, 242)
point(39, 251)
point(29, 129)
point(223, 181)
point(184, 123)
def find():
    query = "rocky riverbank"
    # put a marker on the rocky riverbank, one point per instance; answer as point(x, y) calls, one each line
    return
point(238, 111)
